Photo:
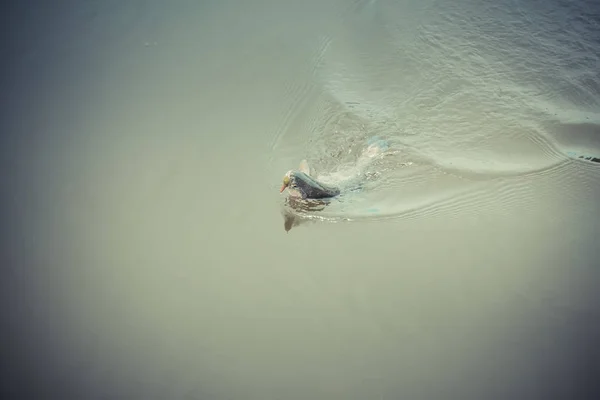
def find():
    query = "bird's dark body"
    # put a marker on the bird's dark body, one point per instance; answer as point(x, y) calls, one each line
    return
point(309, 188)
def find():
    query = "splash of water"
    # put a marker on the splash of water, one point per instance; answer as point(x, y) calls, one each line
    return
point(346, 176)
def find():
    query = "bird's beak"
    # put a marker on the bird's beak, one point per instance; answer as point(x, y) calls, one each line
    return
point(282, 188)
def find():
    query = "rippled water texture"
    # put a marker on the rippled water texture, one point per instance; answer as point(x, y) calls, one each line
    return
point(474, 97)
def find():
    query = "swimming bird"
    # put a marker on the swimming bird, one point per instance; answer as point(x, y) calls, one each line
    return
point(302, 184)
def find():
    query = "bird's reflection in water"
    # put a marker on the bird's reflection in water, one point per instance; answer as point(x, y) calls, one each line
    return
point(295, 208)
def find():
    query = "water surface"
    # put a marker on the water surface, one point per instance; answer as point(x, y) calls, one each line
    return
point(149, 253)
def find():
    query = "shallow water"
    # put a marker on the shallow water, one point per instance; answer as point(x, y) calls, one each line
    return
point(149, 253)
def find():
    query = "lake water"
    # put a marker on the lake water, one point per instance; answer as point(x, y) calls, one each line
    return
point(149, 254)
